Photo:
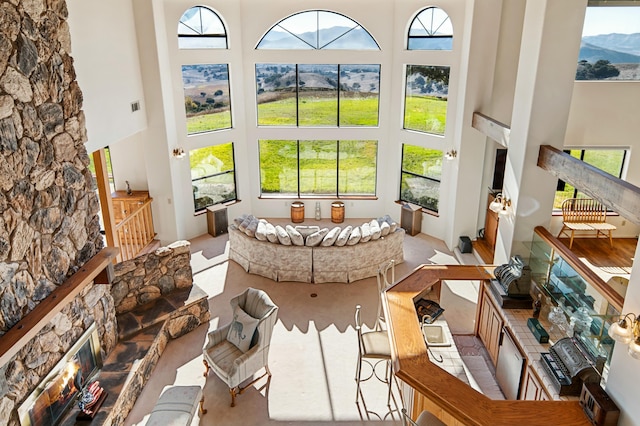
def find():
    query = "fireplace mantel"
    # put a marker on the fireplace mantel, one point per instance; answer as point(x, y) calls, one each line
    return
point(97, 269)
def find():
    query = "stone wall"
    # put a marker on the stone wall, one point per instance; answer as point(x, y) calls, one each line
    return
point(49, 225)
point(146, 278)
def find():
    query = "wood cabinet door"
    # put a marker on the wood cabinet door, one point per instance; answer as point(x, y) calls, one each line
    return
point(532, 389)
point(490, 327)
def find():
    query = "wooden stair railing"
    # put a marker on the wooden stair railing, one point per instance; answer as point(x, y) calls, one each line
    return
point(135, 232)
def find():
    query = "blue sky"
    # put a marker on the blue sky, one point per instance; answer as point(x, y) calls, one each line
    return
point(607, 20)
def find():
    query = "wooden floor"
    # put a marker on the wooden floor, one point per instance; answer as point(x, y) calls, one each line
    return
point(594, 252)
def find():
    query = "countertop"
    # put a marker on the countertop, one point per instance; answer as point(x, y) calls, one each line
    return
point(516, 321)
point(451, 400)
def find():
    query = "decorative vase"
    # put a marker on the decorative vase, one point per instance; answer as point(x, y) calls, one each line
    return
point(318, 215)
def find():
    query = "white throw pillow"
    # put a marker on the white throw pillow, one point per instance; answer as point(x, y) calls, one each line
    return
point(305, 230)
point(238, 220)
point(296, 237)
point(355, 236)
point(271, 233)
point(242, 328)
point(283, 236)
point(384, 229)
point(316, 238)
point(366, 232)
point(261, 230)
point(392, 223)
point(251, 228)
point(331, 237)
point(343, 236)
point(376, 232)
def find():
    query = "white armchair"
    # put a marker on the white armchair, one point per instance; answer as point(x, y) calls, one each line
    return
point(231, 364)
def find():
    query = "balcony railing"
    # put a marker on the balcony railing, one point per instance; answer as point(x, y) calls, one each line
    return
point(135, 232)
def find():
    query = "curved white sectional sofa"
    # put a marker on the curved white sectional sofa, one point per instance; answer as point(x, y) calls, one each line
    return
point(318, 264)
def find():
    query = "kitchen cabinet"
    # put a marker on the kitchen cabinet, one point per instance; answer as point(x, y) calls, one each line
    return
point(490, 326)
point(124, 204)
point(532, 389)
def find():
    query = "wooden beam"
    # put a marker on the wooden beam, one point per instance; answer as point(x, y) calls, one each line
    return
point(31, 324)
point(618, 195)
point(104, 194)
point(494, 129)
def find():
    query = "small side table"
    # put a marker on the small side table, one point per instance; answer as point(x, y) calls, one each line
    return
point(411, 219)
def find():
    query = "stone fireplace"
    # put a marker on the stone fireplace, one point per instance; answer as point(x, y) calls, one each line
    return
point(49, 226)
point(49, 402)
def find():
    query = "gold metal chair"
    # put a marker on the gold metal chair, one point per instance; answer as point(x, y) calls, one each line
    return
point(373, 348)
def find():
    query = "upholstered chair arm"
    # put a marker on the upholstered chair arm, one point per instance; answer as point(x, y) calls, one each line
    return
point(217, 336)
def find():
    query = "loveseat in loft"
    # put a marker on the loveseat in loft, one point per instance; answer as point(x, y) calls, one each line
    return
point(318, 263)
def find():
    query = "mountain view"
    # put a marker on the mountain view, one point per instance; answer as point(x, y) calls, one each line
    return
point(621, 50)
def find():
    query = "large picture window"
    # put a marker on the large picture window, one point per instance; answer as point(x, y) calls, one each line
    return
point(318, 168)
point(318, 29)
point(431, 29)
point(420, 176)
point(213, 176)
point(610, 48)
point(425, 102)
point(607, 160)
point(207, 102)
point(317, 95)
point(201, 28)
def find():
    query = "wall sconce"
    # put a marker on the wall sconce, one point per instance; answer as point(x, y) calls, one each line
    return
point(627, 331)
point(178, 153)
point(451, 154)
point(501, 205)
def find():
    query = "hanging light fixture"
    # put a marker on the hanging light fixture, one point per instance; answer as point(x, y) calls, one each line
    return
point(627, 331)
point(501, 205)
point(178, 153)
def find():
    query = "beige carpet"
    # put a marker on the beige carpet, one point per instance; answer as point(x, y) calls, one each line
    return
point(313, 351)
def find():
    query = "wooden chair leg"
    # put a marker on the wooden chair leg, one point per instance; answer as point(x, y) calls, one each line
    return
point(571, 240)
point(206, 366)
point(232, 391)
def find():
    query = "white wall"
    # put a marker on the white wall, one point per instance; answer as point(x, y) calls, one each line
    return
point(103, 44)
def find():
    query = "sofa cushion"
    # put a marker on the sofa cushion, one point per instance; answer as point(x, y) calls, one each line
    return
point(307, 230)
point(261, 230)
point(343, 236)
point(376, 232)
point(272, 237)
point(316, 238)
point(331, 237)
point(238, 220)
point(283, 236)
point(296, 237)
point(242, 328)
point(354, 237)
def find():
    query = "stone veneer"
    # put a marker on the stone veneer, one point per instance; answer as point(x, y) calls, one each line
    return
point(150, 276)
point(49, 225)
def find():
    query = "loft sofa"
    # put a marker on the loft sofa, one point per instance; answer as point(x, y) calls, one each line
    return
point(313, 262)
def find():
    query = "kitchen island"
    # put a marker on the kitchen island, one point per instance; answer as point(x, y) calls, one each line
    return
point(433, 388)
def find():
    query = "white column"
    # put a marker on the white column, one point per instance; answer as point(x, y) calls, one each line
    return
point(549, 50)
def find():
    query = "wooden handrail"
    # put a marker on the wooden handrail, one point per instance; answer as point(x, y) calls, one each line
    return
point(589, 276)
point(136, 231)
point(460, 403)
point(96, 269)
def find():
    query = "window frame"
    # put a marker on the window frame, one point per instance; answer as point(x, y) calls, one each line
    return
point(222, 35)
point(298, 93)
point(430, 33)
point(337, 194)
point(407, 95)
point(417, 175)
point(213, 175)
point(230, 112)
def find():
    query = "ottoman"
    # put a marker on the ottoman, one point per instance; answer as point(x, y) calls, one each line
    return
point(176, 406)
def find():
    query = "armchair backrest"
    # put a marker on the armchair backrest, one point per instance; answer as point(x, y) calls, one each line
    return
point(259, 305)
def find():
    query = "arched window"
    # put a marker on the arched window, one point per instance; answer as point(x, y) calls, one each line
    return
point(431, 29)
point(201, 28)
point(318, 29)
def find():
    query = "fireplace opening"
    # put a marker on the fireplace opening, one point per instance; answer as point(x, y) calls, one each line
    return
point(48, 403)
